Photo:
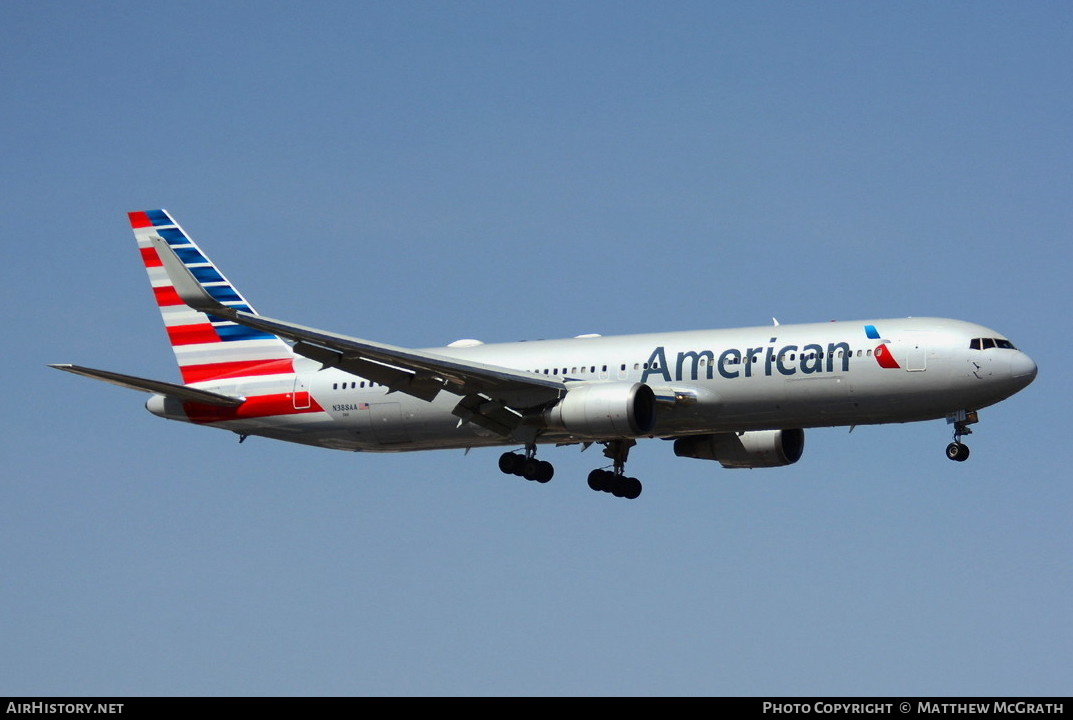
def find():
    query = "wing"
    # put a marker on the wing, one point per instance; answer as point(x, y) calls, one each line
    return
point(492, 396)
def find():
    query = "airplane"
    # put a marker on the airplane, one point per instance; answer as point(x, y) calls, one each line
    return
point(742, 397)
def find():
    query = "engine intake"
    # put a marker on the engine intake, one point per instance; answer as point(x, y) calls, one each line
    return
point(753, 449)
point(605, 410)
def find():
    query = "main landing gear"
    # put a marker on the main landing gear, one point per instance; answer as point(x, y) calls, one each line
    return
point(610, 481)
point(957, 450)
point(526, 466)
point(615, 481)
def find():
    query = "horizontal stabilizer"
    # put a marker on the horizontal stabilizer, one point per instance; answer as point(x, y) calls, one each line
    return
point(179, 392)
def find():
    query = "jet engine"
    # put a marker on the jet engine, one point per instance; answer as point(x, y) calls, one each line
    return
point(605, 410)
point(752, 449)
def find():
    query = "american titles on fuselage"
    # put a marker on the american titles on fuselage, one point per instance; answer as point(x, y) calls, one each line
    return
point(749, 362)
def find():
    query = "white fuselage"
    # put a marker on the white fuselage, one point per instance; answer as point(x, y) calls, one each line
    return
point(705, 381)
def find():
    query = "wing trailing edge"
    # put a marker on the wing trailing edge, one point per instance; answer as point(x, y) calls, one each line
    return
point(420, 374)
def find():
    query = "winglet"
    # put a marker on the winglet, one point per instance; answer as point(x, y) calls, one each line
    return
point(186, 285)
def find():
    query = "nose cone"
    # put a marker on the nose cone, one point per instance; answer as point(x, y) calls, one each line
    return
point(1022, 368)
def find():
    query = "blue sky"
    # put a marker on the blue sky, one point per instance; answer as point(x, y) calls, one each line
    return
point(415, 173)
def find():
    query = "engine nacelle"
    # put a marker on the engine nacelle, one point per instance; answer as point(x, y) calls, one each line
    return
point(752, 449)
point(605, 410)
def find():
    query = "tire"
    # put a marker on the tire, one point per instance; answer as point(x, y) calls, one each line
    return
point(545, 471)
point(506, 463)
point(957, 452)
point(598, 480)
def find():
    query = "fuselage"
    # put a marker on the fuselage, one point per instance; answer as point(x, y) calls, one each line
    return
point(705, 381)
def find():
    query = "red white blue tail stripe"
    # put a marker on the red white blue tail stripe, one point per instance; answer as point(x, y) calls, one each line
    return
point(206, 347)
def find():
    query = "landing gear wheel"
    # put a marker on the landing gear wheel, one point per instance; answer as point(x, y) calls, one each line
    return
point(618, 485)
point(508, 461)
point(526, 466)
point(957, 451)
point(598, 480)
point(545, 471)
point(616, 481)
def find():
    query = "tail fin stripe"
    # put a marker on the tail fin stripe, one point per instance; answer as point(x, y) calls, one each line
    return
point(192, 334)
point(158, 217)
point(191, 256)
point(250, 353)
point(150, 258)
point(215, 371)
point(139, 220)
point(200, 333)
point(166, 296)
point(207, 274)
point(223, 293)
point(174, 236)
point(231, 333)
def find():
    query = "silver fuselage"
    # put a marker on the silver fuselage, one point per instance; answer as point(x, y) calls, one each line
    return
point(705, 381)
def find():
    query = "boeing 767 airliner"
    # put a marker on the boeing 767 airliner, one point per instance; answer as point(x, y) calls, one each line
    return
point(742, 397)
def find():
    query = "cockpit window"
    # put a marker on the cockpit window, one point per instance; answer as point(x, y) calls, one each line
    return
point(988, 343)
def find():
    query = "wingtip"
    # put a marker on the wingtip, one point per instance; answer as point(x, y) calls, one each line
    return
point(186, 285)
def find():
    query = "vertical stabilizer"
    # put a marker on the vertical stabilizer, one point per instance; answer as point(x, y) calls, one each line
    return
point(206, 347)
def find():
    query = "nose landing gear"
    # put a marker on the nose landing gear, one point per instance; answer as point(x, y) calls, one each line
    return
point(961, 420)
point(957, 451)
